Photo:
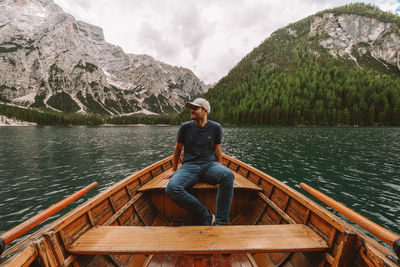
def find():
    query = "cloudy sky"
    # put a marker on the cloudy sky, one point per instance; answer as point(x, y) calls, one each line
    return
point(207, 36)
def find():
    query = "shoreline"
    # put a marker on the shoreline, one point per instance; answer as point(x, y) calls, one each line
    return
point(11, 122)
point(7, 122)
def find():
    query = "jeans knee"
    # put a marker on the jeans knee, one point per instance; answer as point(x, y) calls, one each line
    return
point(228, 177)
point(169, 190)
point(172, 190)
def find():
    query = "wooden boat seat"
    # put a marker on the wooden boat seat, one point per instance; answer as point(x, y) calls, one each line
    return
point(197, 239)
point(159, 182)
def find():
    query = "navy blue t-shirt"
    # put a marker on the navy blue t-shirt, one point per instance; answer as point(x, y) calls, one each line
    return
point(199, 143)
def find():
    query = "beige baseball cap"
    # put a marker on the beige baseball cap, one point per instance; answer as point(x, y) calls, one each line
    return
point(199, 102)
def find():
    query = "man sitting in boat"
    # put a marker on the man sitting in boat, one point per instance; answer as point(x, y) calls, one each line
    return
point(202, 162)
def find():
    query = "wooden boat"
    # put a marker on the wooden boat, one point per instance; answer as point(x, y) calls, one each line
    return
point(133, 223)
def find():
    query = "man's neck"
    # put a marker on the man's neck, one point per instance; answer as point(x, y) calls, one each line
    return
point(201, 122)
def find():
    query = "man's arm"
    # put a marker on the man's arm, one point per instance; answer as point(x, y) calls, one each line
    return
point(218, 153)
point(177, 154)
point(175, 162)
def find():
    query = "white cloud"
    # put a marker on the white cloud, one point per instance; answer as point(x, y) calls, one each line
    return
point(208, 36)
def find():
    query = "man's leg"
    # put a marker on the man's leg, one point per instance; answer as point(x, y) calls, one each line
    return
point(216, 173)
point(184, 178)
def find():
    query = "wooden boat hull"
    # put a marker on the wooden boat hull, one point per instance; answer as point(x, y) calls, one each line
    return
point(140, 201)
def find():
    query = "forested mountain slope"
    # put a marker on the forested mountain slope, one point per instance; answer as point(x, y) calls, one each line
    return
point(339, 66)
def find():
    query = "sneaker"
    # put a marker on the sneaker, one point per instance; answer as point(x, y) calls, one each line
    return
point(210, 221)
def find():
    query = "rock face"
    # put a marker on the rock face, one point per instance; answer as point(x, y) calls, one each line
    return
point(348, 34)
point(48, 59)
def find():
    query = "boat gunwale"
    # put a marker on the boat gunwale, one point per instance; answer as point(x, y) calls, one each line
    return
point(80, 210)
point(313, 206)
point(75, 213)
point(307, 202)
point(334, 221)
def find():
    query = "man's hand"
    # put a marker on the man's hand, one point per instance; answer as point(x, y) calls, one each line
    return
point(168, 175)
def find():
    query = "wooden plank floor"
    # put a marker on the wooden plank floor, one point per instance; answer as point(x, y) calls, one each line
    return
point(159, 182)
point(197, 239)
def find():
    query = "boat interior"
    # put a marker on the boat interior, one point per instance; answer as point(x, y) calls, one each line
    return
point(134, 223)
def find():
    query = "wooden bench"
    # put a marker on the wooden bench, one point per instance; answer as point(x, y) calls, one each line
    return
point(159, 182)
point(197, 239)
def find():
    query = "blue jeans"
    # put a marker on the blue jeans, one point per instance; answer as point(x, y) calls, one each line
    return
point(212, 172)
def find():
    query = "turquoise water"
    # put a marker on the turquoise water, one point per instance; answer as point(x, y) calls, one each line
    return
point(359, 167)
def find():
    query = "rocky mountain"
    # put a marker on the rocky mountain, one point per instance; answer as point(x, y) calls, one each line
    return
point(50, 60)
point(353, 36)
point(339, 66)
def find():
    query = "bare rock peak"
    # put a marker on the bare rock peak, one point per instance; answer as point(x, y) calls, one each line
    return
point(369, 35)
point(51, 60)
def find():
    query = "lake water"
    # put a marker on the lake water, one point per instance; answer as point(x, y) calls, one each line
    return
point(40, 166)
